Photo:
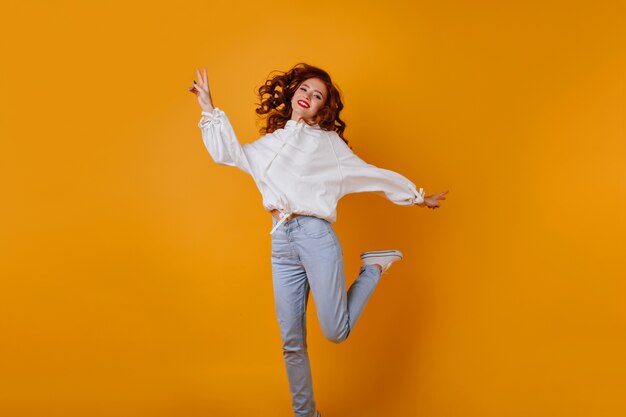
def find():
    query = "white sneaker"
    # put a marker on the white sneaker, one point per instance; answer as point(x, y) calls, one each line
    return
point(382, 257)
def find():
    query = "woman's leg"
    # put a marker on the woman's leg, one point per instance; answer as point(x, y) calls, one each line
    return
point(291, 293)
point(322, 257)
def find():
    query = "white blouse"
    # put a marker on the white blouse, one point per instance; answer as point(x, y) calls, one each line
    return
point(302, 169)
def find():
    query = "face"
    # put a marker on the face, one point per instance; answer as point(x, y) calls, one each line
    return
point(308, 99)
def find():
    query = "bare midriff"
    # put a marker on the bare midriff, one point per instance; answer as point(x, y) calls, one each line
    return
point(276, 214)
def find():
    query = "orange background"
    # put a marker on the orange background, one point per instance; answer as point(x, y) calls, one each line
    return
point(136, 275)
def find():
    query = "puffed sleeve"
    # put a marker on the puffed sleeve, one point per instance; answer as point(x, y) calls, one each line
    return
point(359, 176)
point(220, 140)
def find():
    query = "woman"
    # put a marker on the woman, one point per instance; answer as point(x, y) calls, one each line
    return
point(302, 166)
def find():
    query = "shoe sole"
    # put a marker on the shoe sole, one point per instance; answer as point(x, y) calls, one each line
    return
point(372, 254)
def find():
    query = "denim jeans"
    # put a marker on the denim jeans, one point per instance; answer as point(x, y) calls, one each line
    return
point(307, 255)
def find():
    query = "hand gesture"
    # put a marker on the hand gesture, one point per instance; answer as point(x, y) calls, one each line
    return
point(201, 89)
point(430, 201)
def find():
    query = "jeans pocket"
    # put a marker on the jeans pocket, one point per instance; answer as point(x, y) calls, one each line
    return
point(314, 228)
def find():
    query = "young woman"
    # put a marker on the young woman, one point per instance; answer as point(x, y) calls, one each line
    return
point(302, 166)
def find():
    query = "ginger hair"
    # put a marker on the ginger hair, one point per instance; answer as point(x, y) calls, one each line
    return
point(276, 93)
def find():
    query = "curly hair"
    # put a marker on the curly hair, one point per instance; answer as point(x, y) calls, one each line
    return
point(276, 93)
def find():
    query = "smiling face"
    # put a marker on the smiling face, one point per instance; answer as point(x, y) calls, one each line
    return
point(309, 97)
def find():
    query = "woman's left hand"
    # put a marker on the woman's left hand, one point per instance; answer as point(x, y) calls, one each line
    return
point(431, 201)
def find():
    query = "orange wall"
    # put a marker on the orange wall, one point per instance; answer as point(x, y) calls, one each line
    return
point(136, 276)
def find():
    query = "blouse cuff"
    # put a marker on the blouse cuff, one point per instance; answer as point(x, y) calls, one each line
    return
point(212, 117)
point(419, 199)
point(419, 195)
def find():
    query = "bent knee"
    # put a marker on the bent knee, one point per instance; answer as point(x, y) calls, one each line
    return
point(337, 337)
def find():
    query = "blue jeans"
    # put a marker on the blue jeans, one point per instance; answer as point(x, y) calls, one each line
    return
point(307, 255)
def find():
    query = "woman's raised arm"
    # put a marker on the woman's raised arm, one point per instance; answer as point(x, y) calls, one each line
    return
point(217, 133)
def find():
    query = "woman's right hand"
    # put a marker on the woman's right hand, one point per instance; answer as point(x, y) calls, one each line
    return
point(201, 89)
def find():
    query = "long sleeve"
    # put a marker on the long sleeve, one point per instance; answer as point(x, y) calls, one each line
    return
point(359, 176)
point(220, 140)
